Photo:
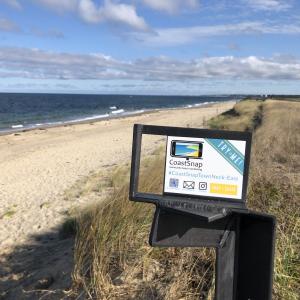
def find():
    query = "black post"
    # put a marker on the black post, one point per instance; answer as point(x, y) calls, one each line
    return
point(244, 245)
point(224, 286)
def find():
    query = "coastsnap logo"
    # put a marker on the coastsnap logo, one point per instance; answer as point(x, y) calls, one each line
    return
point(185, 163)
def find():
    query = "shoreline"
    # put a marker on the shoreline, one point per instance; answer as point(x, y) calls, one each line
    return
point(88, 120)
point(39, 166)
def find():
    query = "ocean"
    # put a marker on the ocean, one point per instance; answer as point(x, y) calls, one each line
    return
point(25, 111)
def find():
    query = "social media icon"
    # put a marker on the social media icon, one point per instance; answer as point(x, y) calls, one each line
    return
point(190, 185)
point(202, 186)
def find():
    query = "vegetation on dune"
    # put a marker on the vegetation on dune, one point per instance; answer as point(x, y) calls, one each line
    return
point(112, 257)
point(274, 179)
point(245, 116)
point(275, 188)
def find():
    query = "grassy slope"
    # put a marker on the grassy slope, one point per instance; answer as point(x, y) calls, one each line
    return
point(113, 259)
point(274, 182)
point(245, 116)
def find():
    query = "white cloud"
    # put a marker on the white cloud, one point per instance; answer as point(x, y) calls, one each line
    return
point(13, 3)
point(90, 12)
point(125, 14)
point(8, 25)
point(114, 12)
point(276, 5)
point(170, 6)
point(183, 35)
point(39, 64)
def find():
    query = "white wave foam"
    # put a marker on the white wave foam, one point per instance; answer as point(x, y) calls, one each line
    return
point(135, 112)
point(204, 103)
point(118, 111)
point(17, 126)
point(88, 118)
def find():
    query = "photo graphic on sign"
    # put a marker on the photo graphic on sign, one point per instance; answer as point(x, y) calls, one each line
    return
point(205, 167)
point(186, 149)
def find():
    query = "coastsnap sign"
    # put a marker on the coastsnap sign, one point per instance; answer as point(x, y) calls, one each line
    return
point(205, 167)
point(203, 204)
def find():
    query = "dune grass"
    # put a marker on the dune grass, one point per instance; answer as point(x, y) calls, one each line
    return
point(112, 257)
point(245, 116)
point(275, 188)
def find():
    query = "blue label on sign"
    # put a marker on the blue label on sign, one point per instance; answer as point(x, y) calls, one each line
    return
point(229, 152)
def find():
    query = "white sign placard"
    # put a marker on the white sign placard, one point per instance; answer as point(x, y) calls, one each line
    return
point(204, 167)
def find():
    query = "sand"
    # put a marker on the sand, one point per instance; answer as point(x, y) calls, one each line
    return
point(37, 166)
point(37, 169)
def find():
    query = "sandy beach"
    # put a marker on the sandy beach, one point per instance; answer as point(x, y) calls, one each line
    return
point(37, 166)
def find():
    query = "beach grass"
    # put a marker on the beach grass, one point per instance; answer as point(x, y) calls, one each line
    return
point(112, 257)
point(245, 116)
point(275, 188)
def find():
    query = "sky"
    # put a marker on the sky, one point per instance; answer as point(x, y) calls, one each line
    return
point(172, 47)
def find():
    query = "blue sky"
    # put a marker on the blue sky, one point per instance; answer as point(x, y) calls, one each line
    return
point(150, 46)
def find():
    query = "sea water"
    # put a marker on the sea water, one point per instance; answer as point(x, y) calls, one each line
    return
point(25, 111)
